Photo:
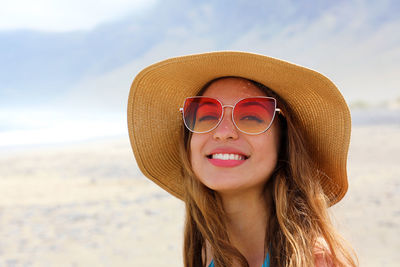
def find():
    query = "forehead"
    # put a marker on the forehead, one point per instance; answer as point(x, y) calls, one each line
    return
point(231, 90)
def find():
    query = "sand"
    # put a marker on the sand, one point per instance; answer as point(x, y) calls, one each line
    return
point(87, 204)
point(369, 215)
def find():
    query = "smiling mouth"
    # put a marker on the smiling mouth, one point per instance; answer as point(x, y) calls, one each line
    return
point(227, 156)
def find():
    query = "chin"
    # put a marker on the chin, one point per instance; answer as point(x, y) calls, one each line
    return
point(224, 186)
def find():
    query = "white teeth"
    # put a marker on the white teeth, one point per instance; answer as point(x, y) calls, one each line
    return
point(227, 156)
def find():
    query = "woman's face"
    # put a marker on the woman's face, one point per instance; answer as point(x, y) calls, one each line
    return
point(261, 151)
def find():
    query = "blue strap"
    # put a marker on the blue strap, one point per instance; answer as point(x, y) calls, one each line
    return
point(265, 264)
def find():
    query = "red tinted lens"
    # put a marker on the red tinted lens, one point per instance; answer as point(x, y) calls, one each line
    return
point(254, 115)
point(201, 114)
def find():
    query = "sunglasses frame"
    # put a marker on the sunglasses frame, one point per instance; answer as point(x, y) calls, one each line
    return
point(233, 109)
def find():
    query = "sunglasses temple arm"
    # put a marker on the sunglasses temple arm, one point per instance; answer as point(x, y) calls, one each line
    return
point(280, 111)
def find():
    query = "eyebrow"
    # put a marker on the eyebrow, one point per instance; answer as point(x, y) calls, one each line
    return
point(207, 103)
point(255, 103)
point(252, 103)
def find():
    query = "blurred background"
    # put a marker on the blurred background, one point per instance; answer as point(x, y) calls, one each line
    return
point(70, 191)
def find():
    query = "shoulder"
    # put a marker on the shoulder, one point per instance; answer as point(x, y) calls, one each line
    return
point(322, 254)
point(323, 260)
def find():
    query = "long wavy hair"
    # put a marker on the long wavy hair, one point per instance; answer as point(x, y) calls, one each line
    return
point(298, 219)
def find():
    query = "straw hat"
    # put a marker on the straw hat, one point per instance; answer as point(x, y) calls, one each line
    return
point(158, 91)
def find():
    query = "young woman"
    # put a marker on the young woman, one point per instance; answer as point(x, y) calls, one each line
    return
point(258, 153)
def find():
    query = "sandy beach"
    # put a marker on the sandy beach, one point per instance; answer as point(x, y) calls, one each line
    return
point(87, 204)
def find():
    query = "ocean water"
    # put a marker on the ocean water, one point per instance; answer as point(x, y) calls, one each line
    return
point(24, 128)
point(375, 116)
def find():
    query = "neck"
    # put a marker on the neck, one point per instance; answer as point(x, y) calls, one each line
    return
point(247, 223)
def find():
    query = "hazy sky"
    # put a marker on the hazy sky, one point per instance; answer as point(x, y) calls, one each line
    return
point(69, 55)
point(65, 15)
point(60, 49)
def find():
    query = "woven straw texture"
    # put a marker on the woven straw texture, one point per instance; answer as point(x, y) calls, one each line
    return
point(159, 90)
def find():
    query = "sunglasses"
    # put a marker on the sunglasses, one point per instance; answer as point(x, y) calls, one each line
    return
point(252, 115)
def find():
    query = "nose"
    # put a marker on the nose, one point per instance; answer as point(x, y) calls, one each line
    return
point(226, 129)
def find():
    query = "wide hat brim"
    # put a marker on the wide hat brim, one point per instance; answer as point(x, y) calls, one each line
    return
point(158, 91)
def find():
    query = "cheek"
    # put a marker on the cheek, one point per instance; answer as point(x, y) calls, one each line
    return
point(195, 151)
point(267, 154)
point(269, 147)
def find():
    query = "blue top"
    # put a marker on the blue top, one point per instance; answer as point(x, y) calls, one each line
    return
point(265, 264)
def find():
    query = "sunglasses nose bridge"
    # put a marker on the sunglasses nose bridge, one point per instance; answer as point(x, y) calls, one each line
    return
point(225, 115)
point(227, 106)
point(223, 112)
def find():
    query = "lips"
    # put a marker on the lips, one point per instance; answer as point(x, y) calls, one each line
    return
point(223, 156)
point(227, 154)
point(227, 157)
